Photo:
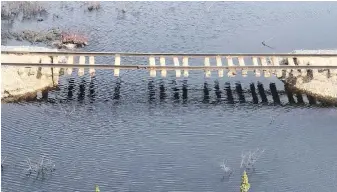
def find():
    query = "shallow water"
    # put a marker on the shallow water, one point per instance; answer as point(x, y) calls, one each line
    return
point(127, 137)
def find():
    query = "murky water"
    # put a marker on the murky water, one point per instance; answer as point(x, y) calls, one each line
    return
point(134, 134)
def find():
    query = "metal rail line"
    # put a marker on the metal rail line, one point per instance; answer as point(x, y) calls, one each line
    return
point(158, 67)
point(63, 53)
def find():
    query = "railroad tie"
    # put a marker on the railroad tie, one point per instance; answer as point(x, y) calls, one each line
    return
point(219, 64)
point(117, 63)
point(162, 63)
point(185, 64)
point(207, 64)
point(176, 63)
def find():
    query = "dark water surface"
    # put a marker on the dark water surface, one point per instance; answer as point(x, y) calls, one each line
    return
point(136, 134)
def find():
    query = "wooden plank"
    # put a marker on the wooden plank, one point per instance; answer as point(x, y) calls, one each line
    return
point(185, 63)
point(163, 63)
point(92, 62)
point(232, 72)
point(70, 61)
point(81, 62)
point(152, 61)
point(255, 63)
point(207, 64)
point(219, 63)
point(264, 63)
point(117, 62)
point(176, 63)
point(242, 63)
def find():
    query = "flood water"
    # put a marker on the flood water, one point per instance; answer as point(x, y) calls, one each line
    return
point(138, 134)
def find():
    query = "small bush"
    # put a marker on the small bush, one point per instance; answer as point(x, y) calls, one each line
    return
point(74, 38)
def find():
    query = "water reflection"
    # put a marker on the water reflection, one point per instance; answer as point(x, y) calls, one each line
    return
point(230, 98)
point(81, 93)
point(151, 89)
point(217, 90)
point(206, 93)
point(240, 92)
point(162, 94)
point(92, 92)
point(274, 93)
point(185, 91)
point(71, 84)
point(175, 91)
point(262, 92)
point(236, 94)
point(254, 94)
point(117, 91)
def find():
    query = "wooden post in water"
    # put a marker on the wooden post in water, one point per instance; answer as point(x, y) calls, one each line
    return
point(117, 62)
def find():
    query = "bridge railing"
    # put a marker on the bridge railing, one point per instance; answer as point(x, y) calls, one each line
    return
point(279, 65)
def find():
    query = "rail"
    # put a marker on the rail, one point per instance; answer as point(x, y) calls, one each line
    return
point(279, 64)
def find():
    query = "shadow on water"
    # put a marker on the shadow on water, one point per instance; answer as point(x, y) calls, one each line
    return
point(185, 91)
point(217, 90)
point(92, 92)
point(230, 98)
point(117, 91)
point(81, 93)
point(254, 94)
point(206, 93)
point(152, 91)
point(162, 94)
